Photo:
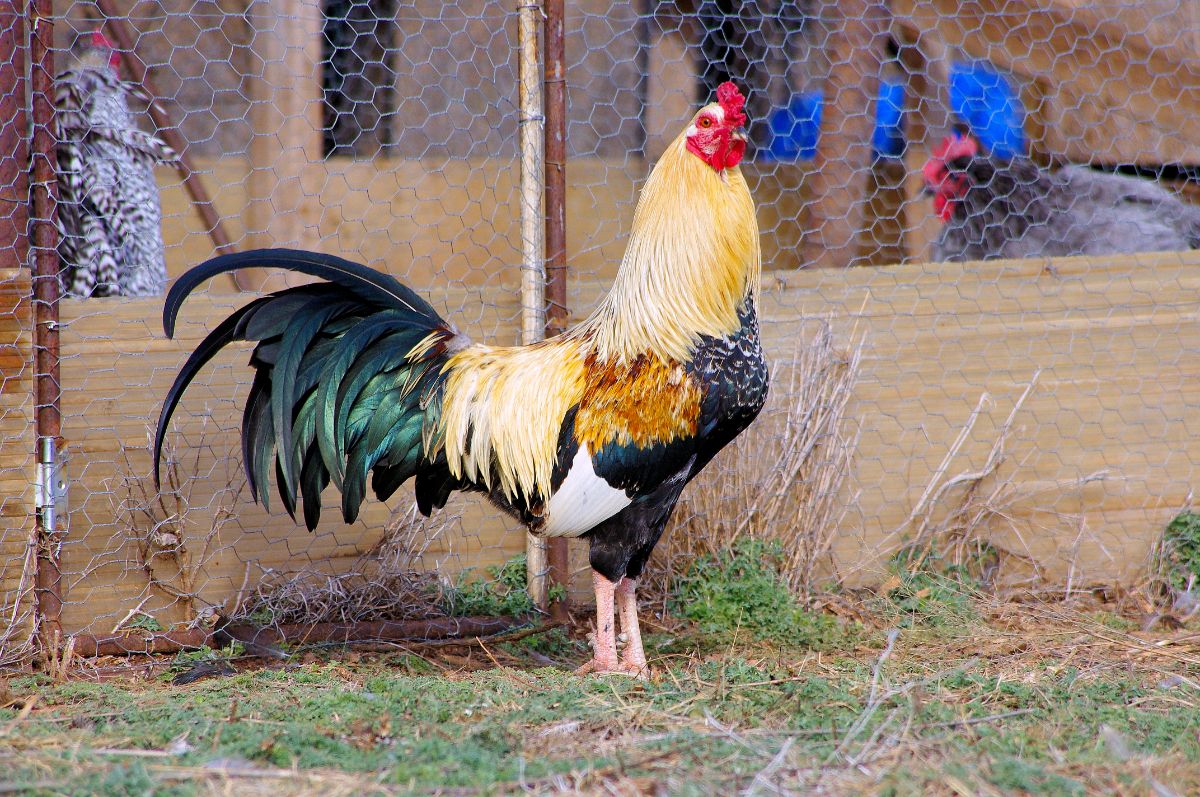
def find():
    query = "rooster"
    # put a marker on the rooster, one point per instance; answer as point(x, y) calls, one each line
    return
point(591, 434)
point(1014, 209)
point(109, 211)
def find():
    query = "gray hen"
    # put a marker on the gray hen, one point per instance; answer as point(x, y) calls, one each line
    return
point(997, 209)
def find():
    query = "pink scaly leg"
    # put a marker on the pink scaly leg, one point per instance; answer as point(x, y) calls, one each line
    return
point(604, 656)
point(633, 658)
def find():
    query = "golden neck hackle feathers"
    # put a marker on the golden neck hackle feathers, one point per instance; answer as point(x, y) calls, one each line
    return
point(693, 256)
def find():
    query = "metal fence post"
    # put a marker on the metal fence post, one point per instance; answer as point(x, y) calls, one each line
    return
point(558, 574)
point(533, 248)
point(14, 259)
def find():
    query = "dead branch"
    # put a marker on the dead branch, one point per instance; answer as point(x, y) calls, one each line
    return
point(780, 482)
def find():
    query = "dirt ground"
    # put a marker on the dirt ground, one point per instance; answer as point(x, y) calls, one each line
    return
point(922, 694)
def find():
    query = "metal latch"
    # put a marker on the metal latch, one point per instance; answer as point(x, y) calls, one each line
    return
point(51, 488)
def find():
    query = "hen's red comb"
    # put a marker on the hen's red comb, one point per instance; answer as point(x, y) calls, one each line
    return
point(101, 42)
point(732, 102)
point(956, 146)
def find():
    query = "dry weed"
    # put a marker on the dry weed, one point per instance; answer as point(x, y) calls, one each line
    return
point(19, 629)
point(781, 481)
point(172, 540)
point(964, 517)
point(58, 658)
point(387, 583)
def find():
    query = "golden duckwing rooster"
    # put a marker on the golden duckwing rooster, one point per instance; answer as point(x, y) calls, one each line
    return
point(591, 434)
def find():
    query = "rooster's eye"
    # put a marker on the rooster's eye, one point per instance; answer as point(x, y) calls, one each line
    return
point(705, 121)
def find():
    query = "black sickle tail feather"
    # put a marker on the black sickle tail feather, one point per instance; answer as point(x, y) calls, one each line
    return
point(348, 381)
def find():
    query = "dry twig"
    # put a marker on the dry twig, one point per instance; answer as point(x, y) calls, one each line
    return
point(781, 481)
point(172, 540)
point(386, 583)
point(966, 517)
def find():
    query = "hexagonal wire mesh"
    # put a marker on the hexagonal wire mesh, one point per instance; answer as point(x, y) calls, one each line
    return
point(385, 134)
point(17, 431)
point(1029, 413)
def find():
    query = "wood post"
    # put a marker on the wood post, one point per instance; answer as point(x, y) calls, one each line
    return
point(928, 120)
point(856, 44)
point(14, 149)
point(285, 114)
point(14, 258)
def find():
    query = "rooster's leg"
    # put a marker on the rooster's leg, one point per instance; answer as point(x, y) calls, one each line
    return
point(604, 656)
point(633, 658)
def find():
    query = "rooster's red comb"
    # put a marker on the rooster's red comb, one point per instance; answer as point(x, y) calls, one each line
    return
point(732, 102)
point(956, 146)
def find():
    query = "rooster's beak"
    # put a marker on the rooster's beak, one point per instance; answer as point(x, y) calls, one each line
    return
point(738, 135)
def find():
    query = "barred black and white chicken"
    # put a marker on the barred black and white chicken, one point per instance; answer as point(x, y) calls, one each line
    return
point(109, 211)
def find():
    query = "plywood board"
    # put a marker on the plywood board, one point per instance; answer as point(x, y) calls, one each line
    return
point(18, 464)
point(1112, 343)
point(1117, 90)
point(443, 224)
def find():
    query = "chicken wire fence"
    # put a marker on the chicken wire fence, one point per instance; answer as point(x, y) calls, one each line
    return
point(1030, 414)
point(17, 450)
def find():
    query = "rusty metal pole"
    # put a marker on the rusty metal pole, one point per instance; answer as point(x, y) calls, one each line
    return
point(555, 82)
point(124, 39)
point(46, 292)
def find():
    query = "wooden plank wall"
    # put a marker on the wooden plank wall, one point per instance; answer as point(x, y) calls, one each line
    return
point(18, 464)
point(1113, 87)
point(117, 367)
point(448, 223)
point(1113, 344)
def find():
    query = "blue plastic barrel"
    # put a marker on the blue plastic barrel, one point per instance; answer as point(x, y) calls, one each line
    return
point(796, 128)
point(985, 100)
point(888, 138)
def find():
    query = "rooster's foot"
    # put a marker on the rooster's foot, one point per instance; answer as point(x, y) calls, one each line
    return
point(624, 668)
point(638, 669)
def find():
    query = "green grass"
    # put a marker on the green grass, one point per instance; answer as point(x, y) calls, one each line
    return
point(739, 590)
point(926, 592)
point(1181, 550)
point(499, 592)
point(752, 685)
point(940, 718)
